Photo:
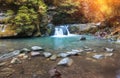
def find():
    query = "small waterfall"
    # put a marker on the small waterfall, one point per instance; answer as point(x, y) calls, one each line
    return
point(2, 27)
point(61, 31)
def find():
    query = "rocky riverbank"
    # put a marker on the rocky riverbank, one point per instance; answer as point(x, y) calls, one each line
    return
point(81, 63)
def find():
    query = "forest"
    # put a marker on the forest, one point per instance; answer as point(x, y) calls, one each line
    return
point(31, 17)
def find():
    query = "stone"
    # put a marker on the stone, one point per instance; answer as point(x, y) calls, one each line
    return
point(23, 56)
point(83, 38)
point(53, 57)
point(2, 64)
point(108, 54)
point(63, 55)
point(109, 49)
point(11, 54)
point(118, 41)
point(54, 73)
point(88, 49)
point(25, 50)
point(66, 61)
point(15, 61)
point(47, 54)
point(72, 53)
point(33, 53)
point(36, 48)
point(98, 56)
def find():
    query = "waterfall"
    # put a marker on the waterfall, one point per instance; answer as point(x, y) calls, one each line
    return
point(2, 27)
point(61, 31)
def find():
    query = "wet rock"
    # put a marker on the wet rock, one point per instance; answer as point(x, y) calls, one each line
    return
point(53, 57)
point(33, 53)
point(11, 54)
point(47, 54)
point(63, 55)
point(25, 50)
point(15, 61)
point(98, 56)
point(66, 61)
point(36, 48)
point(109, 49)
point(83, 38)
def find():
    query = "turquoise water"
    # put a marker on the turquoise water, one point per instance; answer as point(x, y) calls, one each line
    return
point(54, 44)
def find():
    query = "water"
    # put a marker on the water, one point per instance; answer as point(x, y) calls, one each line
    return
point(62, 31)
point(53, 44)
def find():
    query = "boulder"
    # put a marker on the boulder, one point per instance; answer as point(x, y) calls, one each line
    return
point(83, 38)
point(36, 48)
point(47, 54)
point(66, 61)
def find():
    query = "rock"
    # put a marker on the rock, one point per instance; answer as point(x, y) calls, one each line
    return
point(33, 53)
point(109, 49)
point(16, 52)
point(25, 50)
point(98, 56)
point(65, 61)
point(23, 56)
point(2, 64)
point(72, 53)
point(108, 54)
point(83, 38)
point(54, 73)
point(88, 49)
point(63, 55)
point(75, 52)
point(53, 57)
point(118, 41)
point(47, 54)
point(11, 54)
point(15, 61)
point(37, 48)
